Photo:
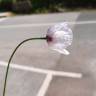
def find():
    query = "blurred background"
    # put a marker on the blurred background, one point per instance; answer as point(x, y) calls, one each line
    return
point(46, 6)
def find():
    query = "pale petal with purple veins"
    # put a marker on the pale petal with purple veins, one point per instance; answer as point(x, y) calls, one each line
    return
point(59, 37)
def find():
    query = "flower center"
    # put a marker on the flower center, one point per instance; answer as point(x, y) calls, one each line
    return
point(49, 38)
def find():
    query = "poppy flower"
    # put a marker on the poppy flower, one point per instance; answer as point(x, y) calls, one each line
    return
point(59, 37)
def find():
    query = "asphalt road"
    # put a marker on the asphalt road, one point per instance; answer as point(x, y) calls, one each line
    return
point(37, 54)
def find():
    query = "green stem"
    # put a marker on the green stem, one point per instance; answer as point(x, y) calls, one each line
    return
point(7, 70)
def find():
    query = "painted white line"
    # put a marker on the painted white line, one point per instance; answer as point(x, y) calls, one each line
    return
point(83, 22)
point(45, 85)
point(43, 71)
point(5, 14)
point(44, 24)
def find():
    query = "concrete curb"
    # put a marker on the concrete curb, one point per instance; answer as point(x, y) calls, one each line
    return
point(6, 14)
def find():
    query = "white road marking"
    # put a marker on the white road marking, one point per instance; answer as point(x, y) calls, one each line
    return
point(45, 85)
point(44, 24)
point(43, 71)
point(5, 14)
point(83, 22)
point(49, 75)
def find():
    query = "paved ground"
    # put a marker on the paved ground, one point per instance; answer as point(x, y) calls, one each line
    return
point(23, 81)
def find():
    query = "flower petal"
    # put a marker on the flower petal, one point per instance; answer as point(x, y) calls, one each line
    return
point(63, 51)
point(61, 37)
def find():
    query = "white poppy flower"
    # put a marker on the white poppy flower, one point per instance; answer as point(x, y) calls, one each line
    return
point(59, 37)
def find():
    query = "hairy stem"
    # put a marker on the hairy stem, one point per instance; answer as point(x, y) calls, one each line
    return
point(8, 66)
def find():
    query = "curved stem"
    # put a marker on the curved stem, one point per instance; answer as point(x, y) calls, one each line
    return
point(7, 70)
